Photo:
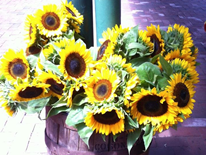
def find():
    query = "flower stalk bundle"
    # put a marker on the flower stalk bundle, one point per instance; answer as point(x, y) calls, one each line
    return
point(136, 81)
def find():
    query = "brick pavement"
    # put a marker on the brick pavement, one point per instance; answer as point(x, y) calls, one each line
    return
point(24, 134)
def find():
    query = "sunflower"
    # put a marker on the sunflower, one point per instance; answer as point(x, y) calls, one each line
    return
point(51, 21)
point(30, 30)
point(133, 81)
point(101, 86)
point(182, 93)
point(183, 67)
point(117, 62)
point(74, 61)
point(48, 51)
point(33, 49)
point(105, 121)
point(113, 34)
point(163, 126)
point(155, 37)
point(74, 26)
point(187, 39)
point(14, 65)
point(176, 54)
point(8, 107)
point(147, 41)
point(27, 92)
point(56, 85)
point(105, 50)
point(72, 12)
point(152, 107)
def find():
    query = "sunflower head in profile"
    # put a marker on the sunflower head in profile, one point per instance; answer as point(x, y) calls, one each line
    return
point(133, 81)
point(186, 69)
point(172, 55)
point(152, 107)
point(56, 85)
point(113, 34)
point(72, 12)
point(182, 93)
point(32, 50)
point(105, 121)
point(74, 61)
point(14, 65)
point(146, 40)
point(9, 107)
point(118, 63)
point(27, 92)
point(30, 30)
point(181, 36)
point(183, 56)
point(105, 50)
point(101, 86)
point(51, 21)
point(155, 37)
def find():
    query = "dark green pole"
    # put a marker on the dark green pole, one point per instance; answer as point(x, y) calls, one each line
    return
point(108, 14)
point(85, 8)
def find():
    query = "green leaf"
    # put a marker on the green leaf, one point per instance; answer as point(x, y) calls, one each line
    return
point(103, 137)
point(136, 45)
point(2, 77)
point(130, 36)
point(162, 82)
point(148, 71)
point(130, 123)
point(148, 135)
point(132, 52)
point(79, 99)
point(42, 58)
point(38, 102)
point(50, 66)
point(34, 106)
point(154, 59)
point(182, 116)
point(124, 74)
point(84, 132)
point(56, 48)
point(165, 65)
point(174, 126)
point(136, 62)
point(75, 116)
point(32, 60)
point(132, 138)
point(115, 137)
point(56, 110)
point(94, 52)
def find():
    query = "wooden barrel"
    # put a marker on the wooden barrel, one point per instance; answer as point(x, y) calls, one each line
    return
point(64, 140)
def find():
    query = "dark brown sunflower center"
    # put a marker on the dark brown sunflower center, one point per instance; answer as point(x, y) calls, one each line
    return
point(156, 42)
point(182, 94)
point(30, 92)
point(55, 87)
point(102, 89)
point(107, 118)
point(17, 68)
point(102, 49)
point(150, 106)
point(50, 21)
point(75, 65)
point(32, 50)
point(70, 11)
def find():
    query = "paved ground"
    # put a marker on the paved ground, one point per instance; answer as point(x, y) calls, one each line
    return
point(24, 134)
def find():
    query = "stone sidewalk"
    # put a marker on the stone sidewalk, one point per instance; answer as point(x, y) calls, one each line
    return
point(24, 134)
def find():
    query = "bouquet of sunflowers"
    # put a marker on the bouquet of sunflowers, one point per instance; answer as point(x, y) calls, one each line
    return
point(136, 81)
